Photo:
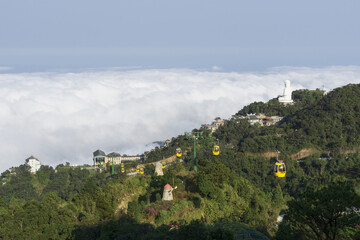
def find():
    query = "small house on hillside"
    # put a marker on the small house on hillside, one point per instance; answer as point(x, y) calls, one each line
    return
point(259, 119)
point(214, 125)
point(34, 164)
point(253, 119)
point(167, 142)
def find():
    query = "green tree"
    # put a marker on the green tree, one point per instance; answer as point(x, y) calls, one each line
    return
point(20, 185)
point(326, 213)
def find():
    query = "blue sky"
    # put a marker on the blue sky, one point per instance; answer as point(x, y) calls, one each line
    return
point(234, 35)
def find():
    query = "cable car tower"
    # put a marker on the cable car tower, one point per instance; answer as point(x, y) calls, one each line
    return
point(195, 136)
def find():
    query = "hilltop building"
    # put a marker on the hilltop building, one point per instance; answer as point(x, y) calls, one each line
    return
point(114, 157)
point(34, 164)
point(286, 97)
point(167, 142)
point(214, 125)
point(100, 158)
point(260, 119)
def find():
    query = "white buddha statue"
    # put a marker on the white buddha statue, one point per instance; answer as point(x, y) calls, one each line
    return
point(286, 97)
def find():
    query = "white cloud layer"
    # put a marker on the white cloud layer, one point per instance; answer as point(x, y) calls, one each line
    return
point(59, 117)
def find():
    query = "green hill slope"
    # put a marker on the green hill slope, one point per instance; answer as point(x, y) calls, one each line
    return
point(329, 122)
point(332, 122)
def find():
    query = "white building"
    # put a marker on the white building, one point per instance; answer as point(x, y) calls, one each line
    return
point(260, 119)
point(286, 97)
point(158, 169)
point(34, 164)
point(214, 125)
point(100, 158)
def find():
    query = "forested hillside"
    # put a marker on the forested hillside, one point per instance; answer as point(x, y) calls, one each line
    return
point(325, 122)
point(234, 195)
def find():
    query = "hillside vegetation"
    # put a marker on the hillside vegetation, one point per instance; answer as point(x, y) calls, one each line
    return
point(232, 196)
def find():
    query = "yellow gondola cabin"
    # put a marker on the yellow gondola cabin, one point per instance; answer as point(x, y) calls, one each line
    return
point(280, 169)
point(216, 150)
point(178, 152)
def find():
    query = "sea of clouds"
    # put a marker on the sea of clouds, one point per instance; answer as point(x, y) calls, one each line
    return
point(64, 117)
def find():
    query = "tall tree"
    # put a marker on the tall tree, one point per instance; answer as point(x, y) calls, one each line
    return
point(327, 213)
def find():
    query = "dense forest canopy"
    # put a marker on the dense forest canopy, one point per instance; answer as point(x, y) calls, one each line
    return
point(232, 196)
